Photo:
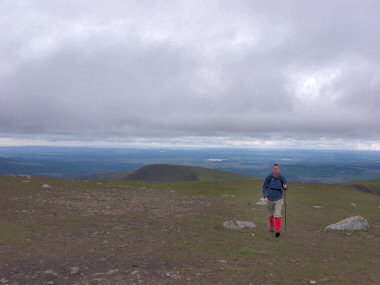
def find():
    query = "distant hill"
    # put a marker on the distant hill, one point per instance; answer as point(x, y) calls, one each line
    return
point(368, 186)
point(104, 176)
point(169, 173)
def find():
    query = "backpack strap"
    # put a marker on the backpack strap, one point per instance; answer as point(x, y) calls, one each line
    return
point(271, 176)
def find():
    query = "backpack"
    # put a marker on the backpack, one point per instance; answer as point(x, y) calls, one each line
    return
point(271, 176)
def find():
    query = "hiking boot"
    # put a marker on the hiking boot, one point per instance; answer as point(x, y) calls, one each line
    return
point(277, 234)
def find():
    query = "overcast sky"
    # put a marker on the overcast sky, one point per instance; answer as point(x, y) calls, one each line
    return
point(228, 73)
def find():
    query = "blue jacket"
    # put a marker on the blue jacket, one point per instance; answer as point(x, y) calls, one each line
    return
point(272, 188)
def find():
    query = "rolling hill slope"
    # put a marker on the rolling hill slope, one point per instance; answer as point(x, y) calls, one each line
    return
point(107, 176)
point(169, 173)
point(368, 186)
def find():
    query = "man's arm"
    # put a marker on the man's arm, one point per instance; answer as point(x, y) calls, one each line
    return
point(284, 183)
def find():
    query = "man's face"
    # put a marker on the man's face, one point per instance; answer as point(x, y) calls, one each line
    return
point(276, 170)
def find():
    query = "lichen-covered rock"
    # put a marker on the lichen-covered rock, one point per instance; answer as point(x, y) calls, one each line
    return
point(239, 225)
point(356, 223)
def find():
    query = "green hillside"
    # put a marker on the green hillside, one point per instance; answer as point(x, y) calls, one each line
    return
point(104, 176)
point(170, 173)
point(124, 232)
point(368, 186)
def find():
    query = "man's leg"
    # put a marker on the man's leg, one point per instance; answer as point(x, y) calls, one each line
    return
point(271, 223)
point(277, 215)
point(270, 209)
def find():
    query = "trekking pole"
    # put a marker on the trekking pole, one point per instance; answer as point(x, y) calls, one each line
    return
point(285, 208)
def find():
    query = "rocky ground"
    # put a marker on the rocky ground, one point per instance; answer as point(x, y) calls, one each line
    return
point(91, 235)
point(56, 231)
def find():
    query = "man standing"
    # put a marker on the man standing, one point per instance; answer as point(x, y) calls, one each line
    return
point(273, 195)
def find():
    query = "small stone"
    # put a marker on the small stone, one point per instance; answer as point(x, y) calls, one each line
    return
point(4, 281)
point(98, 273)
point(353, 204)
point(46, 186)
point(26, 176)
point(173, 275)
point(26, 181)
point(134, 272)
point(112, 271)
point(51, 272)
point(74, 270)
point(50, 283)
point(222, 261)
point(238, 225)
point(313, 282)
point(318, 207)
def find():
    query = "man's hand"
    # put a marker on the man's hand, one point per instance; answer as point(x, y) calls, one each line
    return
point(266, 200)
point(285, 186)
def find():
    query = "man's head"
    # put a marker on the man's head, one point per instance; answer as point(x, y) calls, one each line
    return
point(276, 169)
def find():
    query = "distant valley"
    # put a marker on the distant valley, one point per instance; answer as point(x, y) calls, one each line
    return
point(323, 166)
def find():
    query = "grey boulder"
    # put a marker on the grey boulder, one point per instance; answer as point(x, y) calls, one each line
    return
point(238, 225)
point(356, 223)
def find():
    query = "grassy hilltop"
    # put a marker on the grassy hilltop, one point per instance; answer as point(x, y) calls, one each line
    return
point(124, 232)
point(169, 173)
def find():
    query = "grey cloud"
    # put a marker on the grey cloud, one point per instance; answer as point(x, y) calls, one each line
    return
point(180, 68)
